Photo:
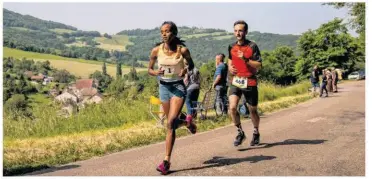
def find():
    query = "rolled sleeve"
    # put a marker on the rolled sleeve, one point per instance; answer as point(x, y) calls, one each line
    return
point(256, 54)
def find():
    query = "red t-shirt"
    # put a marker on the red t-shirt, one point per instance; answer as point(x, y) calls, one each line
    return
point(251, 52)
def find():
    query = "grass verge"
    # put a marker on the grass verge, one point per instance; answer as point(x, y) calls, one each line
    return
point(26, 155)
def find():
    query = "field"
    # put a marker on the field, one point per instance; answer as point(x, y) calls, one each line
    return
point(224, 37)
point(78, 67)
point(118, 42)
point(61, 31)
point(203, 34)
point(146, 63)
point(77, 43)
point(24, 29)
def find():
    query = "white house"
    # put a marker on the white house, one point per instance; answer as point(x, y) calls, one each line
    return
point(47, 80)
point(65, 96)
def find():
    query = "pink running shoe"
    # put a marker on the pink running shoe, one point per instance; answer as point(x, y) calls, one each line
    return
point(163, 168)
point(190, 125)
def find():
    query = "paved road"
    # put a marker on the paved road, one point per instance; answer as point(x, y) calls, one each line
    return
point(324, 136)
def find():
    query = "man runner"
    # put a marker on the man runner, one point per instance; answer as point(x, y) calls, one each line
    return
point(244, 60)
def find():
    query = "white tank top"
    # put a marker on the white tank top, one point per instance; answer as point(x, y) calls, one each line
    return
point(172, 65)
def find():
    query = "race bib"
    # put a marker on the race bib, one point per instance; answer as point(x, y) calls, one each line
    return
point(169, 72)
point(240, 82)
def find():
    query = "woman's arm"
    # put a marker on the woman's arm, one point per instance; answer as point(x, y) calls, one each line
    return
point(153, 58)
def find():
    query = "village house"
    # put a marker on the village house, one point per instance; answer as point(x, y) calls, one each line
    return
point(38, 78)
point(91, 95)
point(54, 92)
point(83, 83)
point(79, 94)
point(86, 83)
point(47, 80)
point(66, 96)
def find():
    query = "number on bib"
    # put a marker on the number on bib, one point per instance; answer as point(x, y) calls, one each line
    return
point(240, 82)
point(169, 73)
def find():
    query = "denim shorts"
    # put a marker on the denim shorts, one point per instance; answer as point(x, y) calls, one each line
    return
point(169, 89)
point(315, 84)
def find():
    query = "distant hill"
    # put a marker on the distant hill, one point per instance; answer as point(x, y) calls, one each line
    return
point(28, 33)
point(13, 19)
point(204, 44)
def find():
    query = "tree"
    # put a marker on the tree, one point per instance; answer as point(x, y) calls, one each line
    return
point(285, 61)
point(19, 85)
point(107, 36)
point(104, 69)
point(132, 75)
point(118, 70)
point(328, 46)
point(6, 94)
point(17, 102)
point(63, 76)
point(46, 65)
point(117, 87)
point(357, 11)
point(279, 66)
point(16, 107)
point(207, 72)
point(103, 80)
point(106, 54)
point(266, 73)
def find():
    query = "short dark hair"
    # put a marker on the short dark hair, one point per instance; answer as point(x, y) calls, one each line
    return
point(221, 54)
point(243, 23)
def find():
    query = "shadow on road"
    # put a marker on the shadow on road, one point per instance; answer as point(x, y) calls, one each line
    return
point(352, 115)
point(221, 161)
point(331, 96)
point(52, 169)
point(286, 142)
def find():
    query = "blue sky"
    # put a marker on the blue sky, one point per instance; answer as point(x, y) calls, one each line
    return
point(281, 18)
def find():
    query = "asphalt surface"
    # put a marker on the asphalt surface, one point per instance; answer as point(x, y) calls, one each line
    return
point(321, 137)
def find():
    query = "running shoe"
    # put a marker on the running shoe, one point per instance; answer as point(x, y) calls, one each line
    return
point(190, 125)
point(239, 138)
point(163, 168)
point(255, 139)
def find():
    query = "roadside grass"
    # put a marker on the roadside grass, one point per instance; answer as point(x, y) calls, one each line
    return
point(26, 154)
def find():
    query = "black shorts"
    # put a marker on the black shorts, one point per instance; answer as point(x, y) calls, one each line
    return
point(250, 93)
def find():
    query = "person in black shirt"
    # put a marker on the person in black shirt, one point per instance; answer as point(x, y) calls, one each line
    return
point(324, 84)
point(314, 78)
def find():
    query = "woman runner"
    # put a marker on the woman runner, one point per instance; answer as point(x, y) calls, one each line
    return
point(174, 60)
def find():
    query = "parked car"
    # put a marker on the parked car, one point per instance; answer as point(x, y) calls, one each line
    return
point(362, 74)
point(357, 75)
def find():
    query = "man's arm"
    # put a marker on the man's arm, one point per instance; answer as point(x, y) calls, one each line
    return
point(230, 67)
point(218, 78)
point(256, 61)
